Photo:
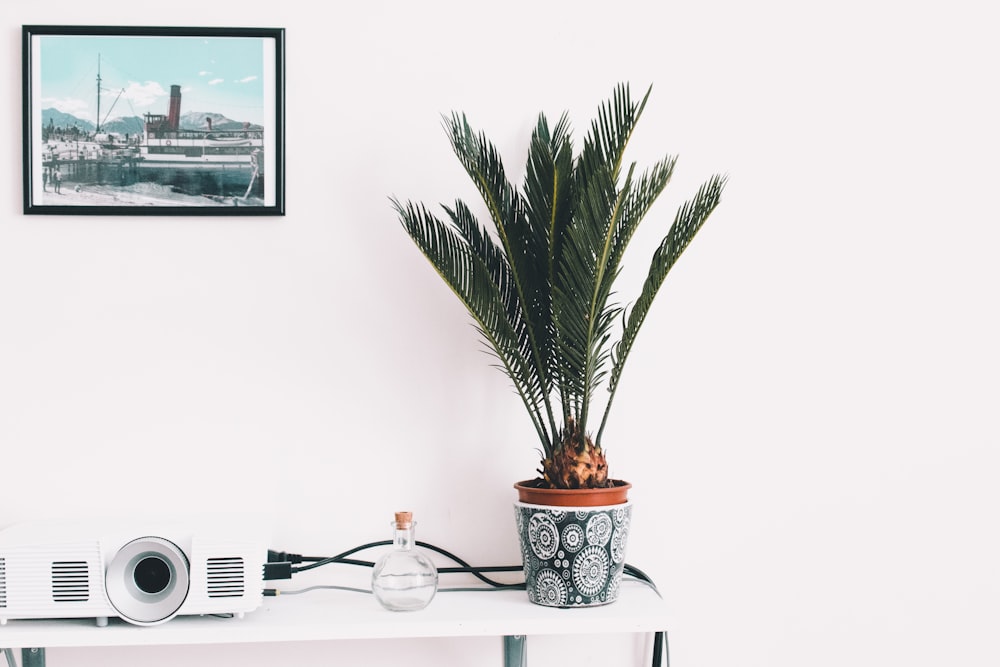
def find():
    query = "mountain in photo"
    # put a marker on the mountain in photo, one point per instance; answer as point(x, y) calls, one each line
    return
point(192, 120)
point(64, 120)
point(198, 120)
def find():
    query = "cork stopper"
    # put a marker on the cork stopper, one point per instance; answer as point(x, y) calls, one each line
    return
point(404, 520)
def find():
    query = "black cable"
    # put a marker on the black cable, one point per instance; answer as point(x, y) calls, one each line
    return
point(341, 558)
point(326, 560)
point(485, 568)
point(639, 574)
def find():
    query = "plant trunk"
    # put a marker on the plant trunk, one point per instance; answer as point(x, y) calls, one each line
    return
point(577, 463)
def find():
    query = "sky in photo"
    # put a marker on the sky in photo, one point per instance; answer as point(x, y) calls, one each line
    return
point(216, 74)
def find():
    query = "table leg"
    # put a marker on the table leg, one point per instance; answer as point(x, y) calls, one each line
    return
point(515, 651)
point(32, 657)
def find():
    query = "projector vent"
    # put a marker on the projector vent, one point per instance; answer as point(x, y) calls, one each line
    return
point(225, 577)
point(3, 584)
point(70, 581)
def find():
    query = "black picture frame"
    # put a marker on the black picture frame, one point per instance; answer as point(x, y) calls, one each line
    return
point(197, 125)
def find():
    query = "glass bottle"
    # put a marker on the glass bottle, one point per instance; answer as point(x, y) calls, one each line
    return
point(404, 579)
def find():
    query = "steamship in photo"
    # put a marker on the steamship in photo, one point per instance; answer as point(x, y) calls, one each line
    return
point(224, 164)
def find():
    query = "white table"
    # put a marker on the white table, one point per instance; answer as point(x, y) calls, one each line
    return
point(332, 615)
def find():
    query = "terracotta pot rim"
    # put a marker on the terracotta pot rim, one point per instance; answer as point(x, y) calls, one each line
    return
point(573, 508)
point(589, 498)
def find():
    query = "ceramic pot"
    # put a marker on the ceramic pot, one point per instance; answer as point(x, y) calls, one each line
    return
point(573, 556)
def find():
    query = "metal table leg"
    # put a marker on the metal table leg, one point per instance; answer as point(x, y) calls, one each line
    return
point(32, 657)
point(515, 651)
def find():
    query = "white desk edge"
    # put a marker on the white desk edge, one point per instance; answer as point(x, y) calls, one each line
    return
point(335, 615)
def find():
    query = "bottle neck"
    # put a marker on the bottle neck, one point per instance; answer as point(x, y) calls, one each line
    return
point(403, 538)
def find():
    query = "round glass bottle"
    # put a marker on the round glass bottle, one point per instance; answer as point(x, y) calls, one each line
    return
point(404, 579)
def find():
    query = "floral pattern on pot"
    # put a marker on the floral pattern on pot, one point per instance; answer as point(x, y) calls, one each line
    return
point(573, 558)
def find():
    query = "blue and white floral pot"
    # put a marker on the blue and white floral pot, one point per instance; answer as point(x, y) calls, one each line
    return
point(573, 556)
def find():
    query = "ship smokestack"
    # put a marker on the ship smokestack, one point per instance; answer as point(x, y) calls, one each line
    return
point(174, 117)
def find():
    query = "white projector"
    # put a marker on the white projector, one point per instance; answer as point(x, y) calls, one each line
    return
point(145, 572)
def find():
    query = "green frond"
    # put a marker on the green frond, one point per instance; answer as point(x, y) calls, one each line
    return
point(484, 166)
point(689, 219)
point(483, 287)
point(525, 243)
point(640, 197)
point(590, 262)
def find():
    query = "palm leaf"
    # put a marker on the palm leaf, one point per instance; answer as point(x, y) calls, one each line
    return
point(589, 265)
point(487, 299)
point(525, 244)
point(548, 202)
point(689, 219)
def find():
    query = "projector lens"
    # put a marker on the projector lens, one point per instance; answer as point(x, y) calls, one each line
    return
point(152, 575)
point(148, 580)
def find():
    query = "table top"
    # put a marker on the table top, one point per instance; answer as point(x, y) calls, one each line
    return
point(339, 614)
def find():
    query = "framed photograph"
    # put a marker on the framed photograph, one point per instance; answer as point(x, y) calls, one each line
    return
point(153, 121)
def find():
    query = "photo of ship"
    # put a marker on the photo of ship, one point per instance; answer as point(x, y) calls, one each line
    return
point(223, 165)
point(133, 144)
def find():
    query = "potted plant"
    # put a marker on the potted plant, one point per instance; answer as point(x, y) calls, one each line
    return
point(538, 284)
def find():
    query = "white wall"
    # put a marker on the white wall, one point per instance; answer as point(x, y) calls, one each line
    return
point(809, 419)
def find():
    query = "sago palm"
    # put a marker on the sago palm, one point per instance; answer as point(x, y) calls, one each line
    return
point(539, 282)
